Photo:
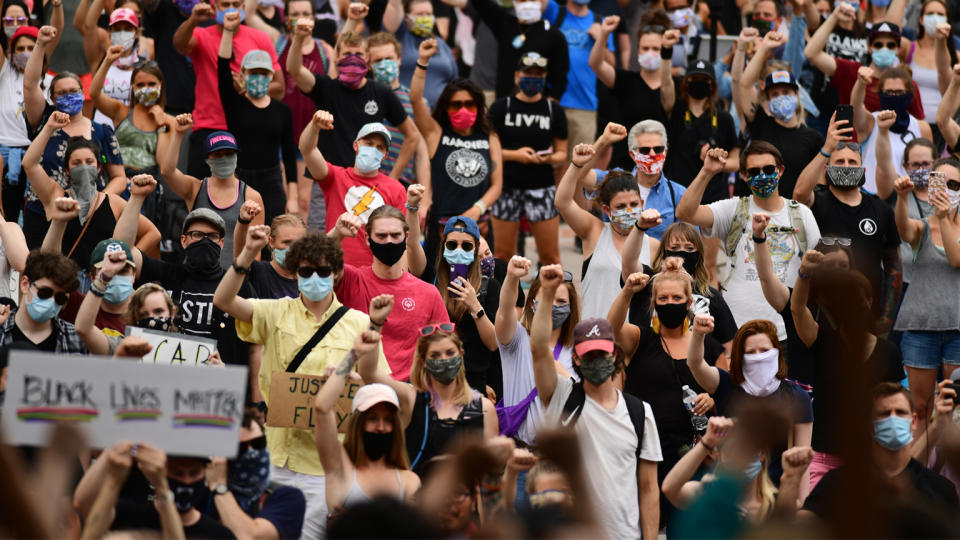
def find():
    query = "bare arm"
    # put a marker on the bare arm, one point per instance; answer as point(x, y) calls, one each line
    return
point(630, 254)
point(301, 75)
point(942, 57)
point(312, 156)
point(92, 44)
point(393, 16)
point(814, 51)
point(107, 105)
point(506, 323)
point(598, 58)
point(411, 138)
point(626, 335)
point(649, 498)
point(668, 94)
point(774, 291)
point(678, 486)
point(544, 374)
point(42, 184)
point(183, 39)
point(689, 208)
point(948, 107)
point(225, 297)
point(14, 243)
point(429, 128)
point(331, 452)
point(416, 258)
point(33, 99)
point(910, 229)
point(862, 118)
point(895, 12)
point(254, 20)
point(57, 21)
point(807, 326)
point(182, 184)
point(707, 376)
point(886, 170)
point(949, 230)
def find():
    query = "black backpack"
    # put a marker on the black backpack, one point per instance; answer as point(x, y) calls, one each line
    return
point(573, 407)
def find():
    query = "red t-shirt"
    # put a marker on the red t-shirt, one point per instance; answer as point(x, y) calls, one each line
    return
point(344, 189)
point(846, 76)
point(111, 324)
point(207, 110)
point(416, 304)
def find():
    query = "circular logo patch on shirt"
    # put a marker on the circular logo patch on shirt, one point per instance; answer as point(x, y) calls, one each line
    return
point(408, 304)
point(466, 167)
point(868, 226)
point(362, 200)
point(371, 108)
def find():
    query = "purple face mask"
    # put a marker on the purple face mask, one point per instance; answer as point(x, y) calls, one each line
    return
point(487, 266)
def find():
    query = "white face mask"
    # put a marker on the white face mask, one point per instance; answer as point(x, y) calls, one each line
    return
point(123, 38)
point(649, 60)
point(760, 373)
point(527, 12)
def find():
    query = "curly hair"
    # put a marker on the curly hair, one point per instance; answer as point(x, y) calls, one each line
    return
point(53, 266)
point(315, 248)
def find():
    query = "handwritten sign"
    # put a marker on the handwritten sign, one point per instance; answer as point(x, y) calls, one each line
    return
point(191, 414)
point(174, 349)
point(292, 396)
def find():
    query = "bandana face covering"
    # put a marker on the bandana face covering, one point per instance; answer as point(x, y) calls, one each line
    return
point(352, 70)
point(421, 25)
point(444, 370)
point(900, 104)
point(147, 96)
point(920, 178)
point(71, 103)
point(248, 476)
point(760, 373)
point(223, 167)
point(763, 185)
point(202, 258)
point(845, 177)
point(83, 187)
point(648, 164)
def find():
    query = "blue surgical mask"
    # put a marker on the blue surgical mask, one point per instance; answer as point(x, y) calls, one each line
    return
point(280, 256)
point(119, 289)
point(784, 107)
point(884, 58)
point(315, 288)
point(752, 469)
point(42, 310)
point(223, 13)
point(71, 103)
point(625, 217)
point(257, 84)
point(368, 159)
point(880, 3)
point(457, 256)
point(892, 432)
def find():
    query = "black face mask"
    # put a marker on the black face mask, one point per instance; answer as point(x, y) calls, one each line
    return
point(377, 445)
point(203, 258)
point(690, 259)
point(187, 496)
point(155, 323)
point(388, 253)
point(671, 315)
point(698, 89)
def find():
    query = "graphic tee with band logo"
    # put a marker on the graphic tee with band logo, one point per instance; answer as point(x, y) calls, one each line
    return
point(460, 171)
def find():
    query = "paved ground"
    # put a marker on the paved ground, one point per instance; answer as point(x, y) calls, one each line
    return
point(571, 259)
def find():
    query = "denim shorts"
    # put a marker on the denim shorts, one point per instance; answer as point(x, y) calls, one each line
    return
point(927, 350)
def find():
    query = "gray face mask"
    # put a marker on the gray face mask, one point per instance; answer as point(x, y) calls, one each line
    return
point(597, 369)
point(83, 187)
point(559, 314)
point(444, 370)
point(222, 167)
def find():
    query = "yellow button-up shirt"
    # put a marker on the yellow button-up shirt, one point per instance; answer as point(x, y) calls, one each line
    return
point(283, 327)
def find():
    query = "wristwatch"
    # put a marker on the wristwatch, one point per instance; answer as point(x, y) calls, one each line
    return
point(478, 314)
point(221, 489)
point(240, 269)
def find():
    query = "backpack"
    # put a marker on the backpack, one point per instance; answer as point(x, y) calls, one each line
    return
point(741, 220)
point(573, 407)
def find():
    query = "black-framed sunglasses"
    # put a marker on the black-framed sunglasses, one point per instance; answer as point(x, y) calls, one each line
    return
point(257, 443)
point(953, 185)
point(892, 45)
point(836, 241)
point(443, 328)
point(567, 276)
point(652, 29)
point(467, 245)
point(61, 298)
point(307, 271)
point(645, 150)
point(766, 169)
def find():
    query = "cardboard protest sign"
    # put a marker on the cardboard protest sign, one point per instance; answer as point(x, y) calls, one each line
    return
point(292, 396)
point(194, 413)
point(174, 349)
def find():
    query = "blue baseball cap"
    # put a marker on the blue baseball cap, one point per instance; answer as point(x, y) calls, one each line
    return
point(780, 77)
point(220, 140)
point(462, 224)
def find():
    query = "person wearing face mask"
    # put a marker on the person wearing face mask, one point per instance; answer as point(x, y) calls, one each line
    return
point(222, 192)
point(272, 279)
point(119, 48)
point(263, 127)
point(758, 370)
point(312, 330)
point(792, 228)
point(842, 210)
point(45, 286)
point(932, 46)
point(413, 22)
point(519, 410)
point(533, 130)
point(899, 474)
point(201, 45)
point(353, 99)
point(617, 431)
point(684, 19)
point(389, 239)
point(359, 189)
point(14, 139)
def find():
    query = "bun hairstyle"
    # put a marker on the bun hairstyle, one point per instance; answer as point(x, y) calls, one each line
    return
point(672, 270)
point(616, 181)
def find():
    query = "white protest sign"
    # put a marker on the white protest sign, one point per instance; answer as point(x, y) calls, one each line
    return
point(175, 349)
point(190, 412)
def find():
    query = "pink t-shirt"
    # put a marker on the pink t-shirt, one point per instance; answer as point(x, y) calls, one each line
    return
point(416, 304)
point(344, 189)
point(208, 111)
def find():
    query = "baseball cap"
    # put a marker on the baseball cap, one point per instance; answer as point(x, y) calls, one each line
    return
point(701, 67)
point(124, 15)
point(257, 59)
point(219, 140)
point(462, 224)
point(594, 334)
point(369, 395)
point(110, 245)
point(25, 30)
point(204, 214)
point(780, 77)
point(885, 28)
point(373, 128)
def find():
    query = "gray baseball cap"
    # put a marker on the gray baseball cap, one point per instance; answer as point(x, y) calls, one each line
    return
point(204, 214)
point(374, 127)
point(257, 59)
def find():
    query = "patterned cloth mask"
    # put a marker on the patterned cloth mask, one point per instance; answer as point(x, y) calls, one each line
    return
point(784, 107)
point(20, 60)
point(257, 84)
point(763, 185)
point(648, 164)
point(147, 96)
point(920, 178)
point(625, 217)
point(248, 476)
point(71, 103)
point(845, 177)
point(385, 71)
point(421, 25)
point(649, 60)
point(155, 323)
point(444, 370)
point(352, 70)
point(597, 369)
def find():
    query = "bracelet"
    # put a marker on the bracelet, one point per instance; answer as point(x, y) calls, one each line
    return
point(421, 66)
point(98, 292)
point(639, 228)
point(707, 446)
point(481, 205)
point(377, 324)
point(575, 165)
point(824, 154)
point(666, 53)
point(802, 274)
point(759, 239)
point(242, 221)
point(412, 208)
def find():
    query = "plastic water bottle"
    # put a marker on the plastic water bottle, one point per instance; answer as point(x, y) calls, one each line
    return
point(698, 420)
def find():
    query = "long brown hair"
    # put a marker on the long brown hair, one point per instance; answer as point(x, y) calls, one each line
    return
point(152, 68)
point(353, 440)
point(566, 331)
point(419, 377)
point(455, 308)
point(752, 328)
point(701, 278)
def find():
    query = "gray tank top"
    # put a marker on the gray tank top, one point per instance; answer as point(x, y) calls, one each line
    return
point(356, 495)
point(932, 302)
point(228, 213)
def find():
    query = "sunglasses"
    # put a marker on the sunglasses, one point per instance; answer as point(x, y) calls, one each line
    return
point(567, 276)
point(851, 145)
point(652, 29)
point(200, 235)
point(766, 169)
point(307, 271)
point(468, 104)
point(18, 20)
point(835, 241)
point(527, 61)
point(43, 293)
point(257, 443)
point(953, 185)
point(453, 244)
point(892, 45)
point(443, 328)
point(144, 63)
point(645, 150)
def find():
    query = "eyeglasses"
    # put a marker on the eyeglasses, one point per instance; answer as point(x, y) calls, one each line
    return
point(468, 104)
point(11, 20)
point(453, 244)
point(851, 145)
point(892, 45)
point(645, 150)
point(920, 164)
point(257, 443)
point(766, 169)
point(196, 236)
point(43, 293)
point(835, 241)
point(307, 271)
point(443, 328)
point(528, 61)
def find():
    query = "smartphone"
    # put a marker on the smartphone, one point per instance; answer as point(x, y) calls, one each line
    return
point(456, 274)
point(938, 183)
point(845, 112)
point(546, 152)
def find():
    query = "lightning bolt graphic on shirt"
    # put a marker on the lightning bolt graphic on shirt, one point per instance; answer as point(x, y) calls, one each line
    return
point(364, 204)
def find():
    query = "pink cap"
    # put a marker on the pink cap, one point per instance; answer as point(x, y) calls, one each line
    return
point(371, 394)
point(124, 15)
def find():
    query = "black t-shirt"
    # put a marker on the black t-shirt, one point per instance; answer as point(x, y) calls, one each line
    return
point(687, 134)
point(481, 364)
point(871, 228)
point(799, 361)
point(284, 507)
point(535, 125)
point(164, 19)
point(49, 344)
point(637, 102)
point(265, 282)
point(798, 146)
point(351, 109)
point(137, 515)
point(850, 45)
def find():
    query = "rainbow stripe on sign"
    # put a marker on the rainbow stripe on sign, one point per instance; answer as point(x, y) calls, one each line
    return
point(202, 420)
point(126, 415)
point(56, 414)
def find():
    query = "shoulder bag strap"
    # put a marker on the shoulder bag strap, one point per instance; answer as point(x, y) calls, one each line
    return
point(93, 208)
point(317, 338)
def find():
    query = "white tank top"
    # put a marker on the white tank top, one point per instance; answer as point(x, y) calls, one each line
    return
point(926, 80)
point(898, 142)
point(601, 282)
point(117, 86)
